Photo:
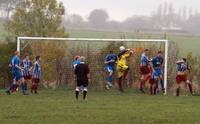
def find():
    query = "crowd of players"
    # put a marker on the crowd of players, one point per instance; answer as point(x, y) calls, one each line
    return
point(22, 72)
point(151, 70)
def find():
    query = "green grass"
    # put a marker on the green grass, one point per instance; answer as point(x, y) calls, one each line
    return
point(60, 107)
point(185, 43)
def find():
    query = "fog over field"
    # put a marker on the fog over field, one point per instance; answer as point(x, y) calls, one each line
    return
point(121, 9)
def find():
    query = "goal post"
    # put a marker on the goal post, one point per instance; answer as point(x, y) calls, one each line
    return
point(166, 43)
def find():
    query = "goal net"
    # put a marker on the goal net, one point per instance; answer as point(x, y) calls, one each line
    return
point(58, 54)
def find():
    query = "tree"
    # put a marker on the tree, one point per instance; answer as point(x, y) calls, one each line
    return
point(42, 18)
point(8, 6)
point(75, 20)
point(98, 18)
point(37, 18)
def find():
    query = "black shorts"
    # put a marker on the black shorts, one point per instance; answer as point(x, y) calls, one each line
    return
point(83, 83)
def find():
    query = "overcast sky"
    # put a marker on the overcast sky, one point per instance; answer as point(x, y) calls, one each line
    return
point(121, 9)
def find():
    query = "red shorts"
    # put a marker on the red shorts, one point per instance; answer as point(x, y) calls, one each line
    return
point(144, 70)
point(152, 81)
point(35, 80)
point(181, 78)
point(27, 77)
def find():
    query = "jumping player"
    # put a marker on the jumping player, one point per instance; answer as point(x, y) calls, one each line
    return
point(145, 70)
point(157, 63)
point(122, 67)
point(182, 68)
point(36, 75)
point(26, 73)
point(82, 75)
point(110, 61)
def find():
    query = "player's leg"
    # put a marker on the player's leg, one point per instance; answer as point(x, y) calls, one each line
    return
point(77, 90)
point(142, 83)
point(189, 83)
point(36, 85)
point(178, 83)
point(23, 85)
point(120, 77)
point(110, 72)
point(85, 90)
point(33, 85)
point(126, 73)
point(151, 82)
point(145, 76)
point(120, 84)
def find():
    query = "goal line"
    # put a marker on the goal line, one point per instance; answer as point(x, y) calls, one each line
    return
point(166, 42)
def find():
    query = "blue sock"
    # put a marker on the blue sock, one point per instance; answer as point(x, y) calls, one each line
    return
point(162, 84)
point(110, 78)
point(156, 81)
point(10, 87)
point(23, 87)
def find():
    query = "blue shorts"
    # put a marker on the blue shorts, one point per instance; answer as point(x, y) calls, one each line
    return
point(110, 69)
point(157, 72)
point(17, 75)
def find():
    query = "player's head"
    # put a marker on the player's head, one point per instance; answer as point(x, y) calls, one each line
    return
point(122, 48)
point(27, 57)
point(37, 58)
point(184, 59)
point(146, 51)
point(82, 59)
point(17, 53)
point(111, 51)
point(159, 53)
point(76, 57)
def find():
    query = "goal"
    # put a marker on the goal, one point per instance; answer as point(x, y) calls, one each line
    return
point(89, 41)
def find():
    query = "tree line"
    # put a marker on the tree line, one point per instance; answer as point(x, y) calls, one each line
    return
point(166, 18)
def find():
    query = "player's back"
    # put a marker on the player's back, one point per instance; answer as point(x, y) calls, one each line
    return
point(81, 71)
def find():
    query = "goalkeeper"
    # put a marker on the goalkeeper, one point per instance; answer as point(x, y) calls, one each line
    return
point(122, 67)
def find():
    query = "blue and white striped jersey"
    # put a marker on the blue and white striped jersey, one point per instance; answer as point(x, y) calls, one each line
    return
point(26, 64)
point(144, 61)
point(37, 70)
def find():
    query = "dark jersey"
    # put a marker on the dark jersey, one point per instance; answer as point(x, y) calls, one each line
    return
point(110, 57)
point(81, 72)
point(157, 61)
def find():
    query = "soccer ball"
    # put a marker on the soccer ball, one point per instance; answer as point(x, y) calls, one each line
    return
point(122, 48)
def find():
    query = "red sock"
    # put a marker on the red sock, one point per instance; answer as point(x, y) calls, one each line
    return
point(190, 88)
point(177, 91)
point(151, 89)
point(142, 84)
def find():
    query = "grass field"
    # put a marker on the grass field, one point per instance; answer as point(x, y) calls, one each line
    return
point(60, 107)
point(186, 43)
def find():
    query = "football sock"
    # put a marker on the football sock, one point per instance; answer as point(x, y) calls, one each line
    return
point(84, 94)
point(77, 93)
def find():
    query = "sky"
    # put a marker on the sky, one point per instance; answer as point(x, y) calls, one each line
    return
point(119, 10)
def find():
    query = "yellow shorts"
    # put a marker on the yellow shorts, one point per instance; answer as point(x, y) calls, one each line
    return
point(121, 70)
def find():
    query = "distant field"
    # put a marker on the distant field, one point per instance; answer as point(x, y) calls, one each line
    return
point(60, 107)
point(185, 43)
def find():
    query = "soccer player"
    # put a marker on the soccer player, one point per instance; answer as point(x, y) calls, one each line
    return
point(182, 69)
point(26, 73)
point(122, 67)
point(76, 61)
point(157, 63)
point(36, 75)
point(82, 75)
point(110, 61)
point(17, 76)
point(145, 69)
